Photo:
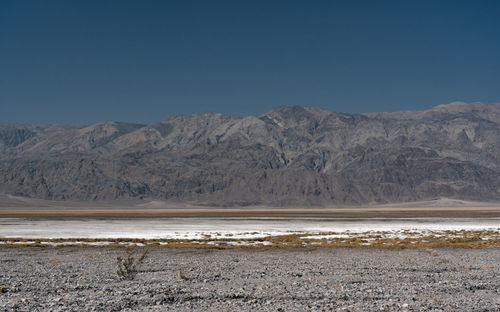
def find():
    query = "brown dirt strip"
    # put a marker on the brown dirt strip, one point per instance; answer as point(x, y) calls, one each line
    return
point(260, 212)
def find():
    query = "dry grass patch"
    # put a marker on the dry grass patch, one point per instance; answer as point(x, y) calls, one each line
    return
point(399, 240)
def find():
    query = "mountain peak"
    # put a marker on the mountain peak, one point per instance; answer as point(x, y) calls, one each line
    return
point(460, 107)
point(289, 116)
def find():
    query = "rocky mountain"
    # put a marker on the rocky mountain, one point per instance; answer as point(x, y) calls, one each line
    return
point(287, 156)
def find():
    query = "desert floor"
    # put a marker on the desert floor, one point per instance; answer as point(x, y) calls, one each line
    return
point(290, 279)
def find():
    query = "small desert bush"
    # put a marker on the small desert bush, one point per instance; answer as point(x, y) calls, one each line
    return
point(181, 275)
point(128, 264)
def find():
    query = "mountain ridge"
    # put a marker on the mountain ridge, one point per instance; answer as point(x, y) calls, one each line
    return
point(290, 155)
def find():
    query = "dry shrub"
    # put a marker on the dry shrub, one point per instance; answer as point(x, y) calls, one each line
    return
point(431, 252)
point(128, 264)
point(181, 276)
point(55, 262)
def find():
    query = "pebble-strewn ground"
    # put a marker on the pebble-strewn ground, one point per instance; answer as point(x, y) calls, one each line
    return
point(322, 279)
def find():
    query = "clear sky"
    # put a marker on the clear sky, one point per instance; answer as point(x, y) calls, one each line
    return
point(144, 61)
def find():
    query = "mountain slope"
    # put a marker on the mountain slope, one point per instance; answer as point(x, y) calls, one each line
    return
point(287, 156)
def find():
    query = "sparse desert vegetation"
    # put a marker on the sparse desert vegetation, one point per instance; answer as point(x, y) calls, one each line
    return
point(380, 239)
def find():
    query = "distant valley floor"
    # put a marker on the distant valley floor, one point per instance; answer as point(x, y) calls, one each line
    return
point(375, 212)
point(13, 206)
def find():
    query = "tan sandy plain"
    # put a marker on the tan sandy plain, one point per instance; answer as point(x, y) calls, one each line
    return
point(13, 206)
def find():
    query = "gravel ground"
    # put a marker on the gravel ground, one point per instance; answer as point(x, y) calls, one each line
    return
point(322, 279)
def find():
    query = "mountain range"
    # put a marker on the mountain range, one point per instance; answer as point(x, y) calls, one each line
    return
point(301, 156)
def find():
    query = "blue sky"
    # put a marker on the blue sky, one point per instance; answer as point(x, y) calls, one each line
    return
point(144, 61)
